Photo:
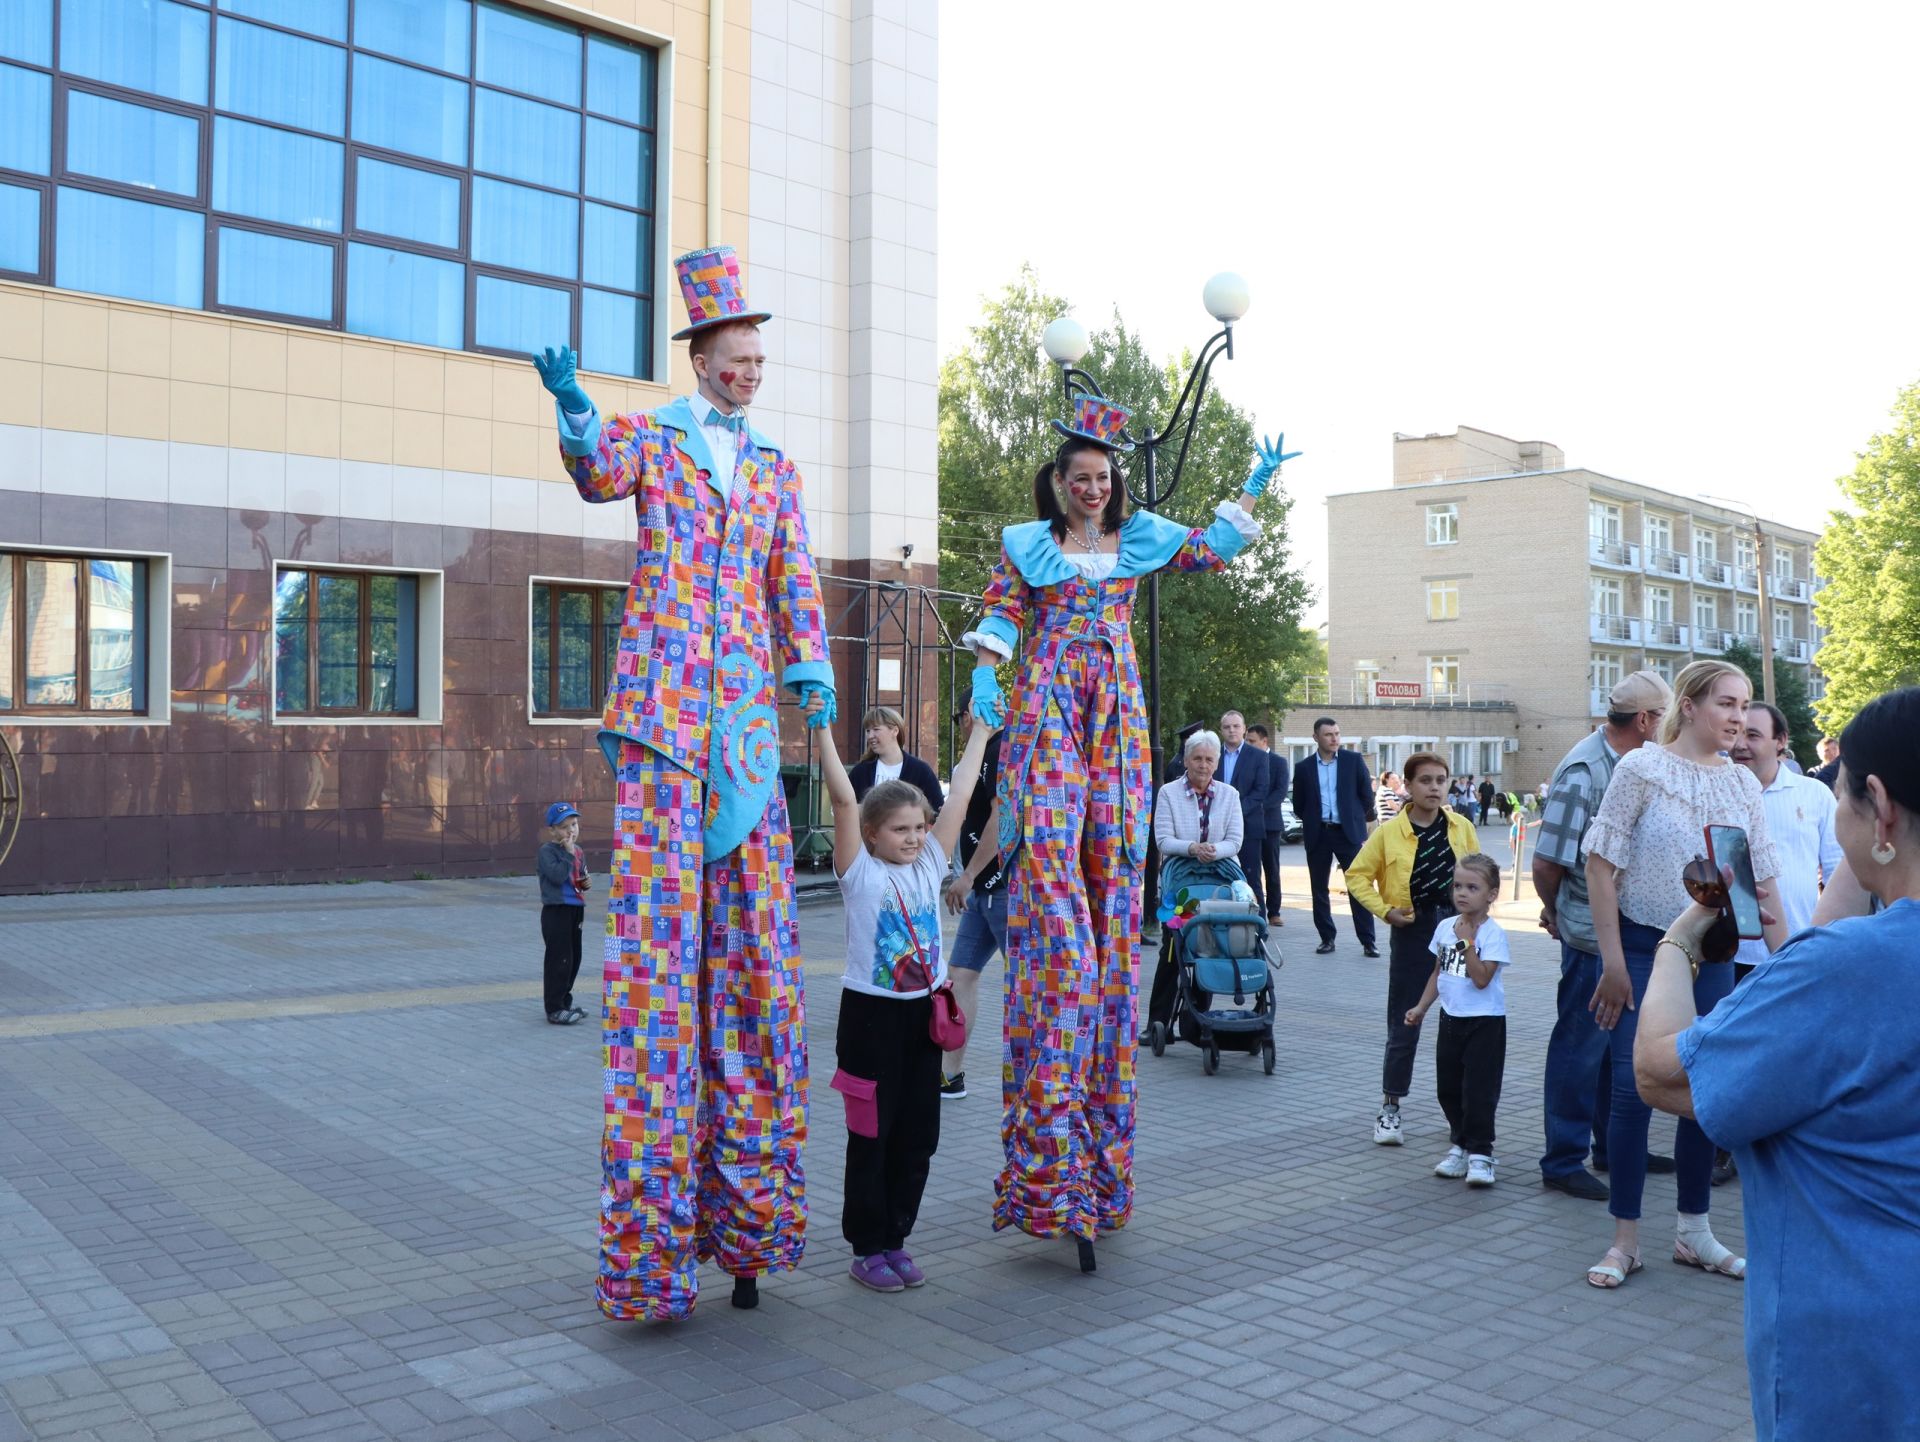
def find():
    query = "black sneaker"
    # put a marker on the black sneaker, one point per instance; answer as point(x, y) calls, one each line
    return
point(952, 1088)
point(563, 1018)
point(1724, 1170)
point(1582, 1184)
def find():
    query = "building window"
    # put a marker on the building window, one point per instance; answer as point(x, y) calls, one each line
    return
point(1443, 600)
point(1604, 671)
point(1443, 525)
point(1460, 757)
point(1706, 614)
point(1746, 620)
point(1662, 666)
point(1365, 673)
point(1443, 675)
point(458, 174)
point(1706, 547)
point(1782, 627)
point(1743, 553)
point(346, 643)
point(73, 634)
point(1493, 757)
point(575, 633)
point(1603, 523)
point(1782, 564)
point(1606, 595)
point(1660, 605)
point(1659, 533)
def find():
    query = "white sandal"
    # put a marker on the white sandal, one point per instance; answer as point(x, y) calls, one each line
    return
point(1720, 1261)
point(1615, 1275)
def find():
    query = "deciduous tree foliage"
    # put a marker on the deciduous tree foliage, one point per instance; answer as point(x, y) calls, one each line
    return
point(1871, 558)
point(1230, 640)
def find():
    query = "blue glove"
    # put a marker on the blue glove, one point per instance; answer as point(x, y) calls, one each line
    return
point(988, 704)
point(556, 374)
point(1269, 463)
point(829, 708)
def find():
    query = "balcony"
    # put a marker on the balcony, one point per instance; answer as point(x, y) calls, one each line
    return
point(1797, 650)
point(1790, 588)
point(1669, 565)
point(1614, 555)
point(1712, 573)
point(1710, 641)
point(1749, 639)
point(1746, 578)
point(1613, 630)
point(1667, 636)
point(1597, 701)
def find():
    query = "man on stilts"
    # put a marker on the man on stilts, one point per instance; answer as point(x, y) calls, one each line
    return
point(705, 1037)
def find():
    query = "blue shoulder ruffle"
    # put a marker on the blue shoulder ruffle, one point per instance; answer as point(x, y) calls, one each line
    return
point(1147, 542)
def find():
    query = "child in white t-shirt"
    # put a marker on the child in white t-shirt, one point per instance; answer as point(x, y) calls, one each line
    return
point(891, 856)
point(1470, 1057)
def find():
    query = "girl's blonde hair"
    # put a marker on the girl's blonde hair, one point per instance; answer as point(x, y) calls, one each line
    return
point(1488, 868)
point(882, 716)
point(1695, 680)
point(887, 798)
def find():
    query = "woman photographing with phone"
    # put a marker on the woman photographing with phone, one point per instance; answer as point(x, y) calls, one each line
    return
point(1807, 1073)
point(1650, 826)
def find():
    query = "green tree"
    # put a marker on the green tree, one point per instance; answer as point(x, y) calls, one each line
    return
point(1790, 695)
point(1225, 641)
point(1870, 556)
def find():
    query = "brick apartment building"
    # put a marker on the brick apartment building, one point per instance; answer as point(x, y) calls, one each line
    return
point(1484, 603)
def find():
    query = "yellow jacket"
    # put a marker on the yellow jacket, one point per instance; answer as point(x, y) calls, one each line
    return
point(1381, 875)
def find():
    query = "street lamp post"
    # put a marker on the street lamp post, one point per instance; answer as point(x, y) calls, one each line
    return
point(1066, 344)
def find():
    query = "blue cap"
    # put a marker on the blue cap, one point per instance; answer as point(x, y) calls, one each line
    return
point(559, 812)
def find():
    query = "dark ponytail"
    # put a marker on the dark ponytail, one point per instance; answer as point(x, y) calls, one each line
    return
point(1046, 502)
point(1880, 742)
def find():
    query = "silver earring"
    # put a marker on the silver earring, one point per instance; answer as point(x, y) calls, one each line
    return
point(1884, 852)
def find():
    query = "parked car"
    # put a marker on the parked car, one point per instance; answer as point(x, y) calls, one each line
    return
point(1290, 828)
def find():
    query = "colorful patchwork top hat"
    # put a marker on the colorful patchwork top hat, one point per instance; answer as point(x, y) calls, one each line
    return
point(1098, 420)
point(715, 289)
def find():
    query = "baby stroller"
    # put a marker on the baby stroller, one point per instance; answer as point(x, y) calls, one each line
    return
point(1219, 940)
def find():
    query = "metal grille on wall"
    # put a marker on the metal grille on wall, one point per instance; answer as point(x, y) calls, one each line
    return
point(893, 645)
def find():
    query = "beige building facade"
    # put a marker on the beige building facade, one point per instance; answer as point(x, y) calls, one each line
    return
point(241, 403)
point(1487, 601)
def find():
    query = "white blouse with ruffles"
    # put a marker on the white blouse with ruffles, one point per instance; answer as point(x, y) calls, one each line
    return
point(1652, 822)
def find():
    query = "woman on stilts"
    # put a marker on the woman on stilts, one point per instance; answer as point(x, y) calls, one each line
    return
point(1076, 811)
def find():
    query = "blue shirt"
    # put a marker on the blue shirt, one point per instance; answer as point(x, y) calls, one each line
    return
point(1230, 762)
point(1807, 1073)
point(1329, 786)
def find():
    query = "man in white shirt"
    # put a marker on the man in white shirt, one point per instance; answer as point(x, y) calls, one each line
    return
point(1800, 820)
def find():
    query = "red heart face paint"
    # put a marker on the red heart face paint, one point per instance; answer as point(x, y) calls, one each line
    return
point(727, 378)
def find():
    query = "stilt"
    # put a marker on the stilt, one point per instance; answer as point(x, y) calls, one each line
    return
point(1085, 1245)
point(746, 1293)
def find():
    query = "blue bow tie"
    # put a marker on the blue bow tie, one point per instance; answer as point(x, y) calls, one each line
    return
point(736, 422)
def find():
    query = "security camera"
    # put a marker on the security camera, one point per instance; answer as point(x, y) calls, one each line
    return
point(906, 551)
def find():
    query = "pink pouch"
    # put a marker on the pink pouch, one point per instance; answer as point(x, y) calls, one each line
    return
point(863, 1110)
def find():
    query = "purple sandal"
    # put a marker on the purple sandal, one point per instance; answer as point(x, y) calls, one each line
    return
point(876, 1274)
point(904, 1268)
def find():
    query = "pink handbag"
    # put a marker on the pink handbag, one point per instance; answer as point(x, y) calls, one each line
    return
point(947, 1027)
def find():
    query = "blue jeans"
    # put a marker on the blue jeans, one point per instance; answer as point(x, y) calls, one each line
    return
point(1579, 1082)
point(983, 931)
point(1627, 1132)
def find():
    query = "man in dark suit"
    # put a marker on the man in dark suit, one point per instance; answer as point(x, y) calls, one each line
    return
point(1279, 784)
point(1245, 768)
point(1333, 797)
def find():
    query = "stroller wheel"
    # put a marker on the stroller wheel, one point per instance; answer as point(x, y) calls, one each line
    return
point(1157, 1038)
point(1210, 1058)
point(1266, 1057)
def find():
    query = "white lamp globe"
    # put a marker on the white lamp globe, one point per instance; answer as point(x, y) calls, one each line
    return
point(1065, 341)
point(1226, 297)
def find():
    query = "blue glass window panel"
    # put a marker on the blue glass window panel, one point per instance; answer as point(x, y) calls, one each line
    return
point(129, 248)
point(400, 108)
point(276, 274)
point(615, 249)
point(431, 32)
point(523, 229)
point(412, 204)
point(151, 45)
point(613, 333)
point(291, 651)
point(26, 30)
point(526, 53)
point(619, 164)
point(276, 175)
point(393, 636)
point(52, 606)
point(116, 635)
point(336, 633)
point(510, 316)
point(526, 140)
point(133, 144)
point(26, 100)
point(316, 17)
point(281, 77)
point(620, 80)
point(402, 296)
point(19, 231)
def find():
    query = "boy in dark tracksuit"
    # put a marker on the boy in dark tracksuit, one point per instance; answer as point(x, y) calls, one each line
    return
point(563, 907)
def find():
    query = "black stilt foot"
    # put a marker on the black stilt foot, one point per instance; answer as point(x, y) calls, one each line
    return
point(746, 1293)
point(1086, 1254)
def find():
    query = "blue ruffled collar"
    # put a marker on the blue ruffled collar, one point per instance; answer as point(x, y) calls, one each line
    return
point(1147, 542)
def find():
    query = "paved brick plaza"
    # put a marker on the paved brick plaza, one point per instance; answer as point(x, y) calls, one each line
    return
point(308, 1163)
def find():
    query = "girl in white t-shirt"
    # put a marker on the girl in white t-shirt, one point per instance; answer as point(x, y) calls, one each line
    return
point(891, 856)
point(1469, 948)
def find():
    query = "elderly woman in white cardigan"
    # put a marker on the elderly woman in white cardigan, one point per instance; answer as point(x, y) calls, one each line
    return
point(1199, 817)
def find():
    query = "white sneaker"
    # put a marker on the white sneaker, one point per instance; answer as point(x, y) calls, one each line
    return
point(1452, 1166)
point(1479, 1171)
point(1386, 1127)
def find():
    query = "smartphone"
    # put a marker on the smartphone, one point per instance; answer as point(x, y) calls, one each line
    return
point(1727, 847)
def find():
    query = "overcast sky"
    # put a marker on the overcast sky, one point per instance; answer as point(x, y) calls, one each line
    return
point(1679, 241)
